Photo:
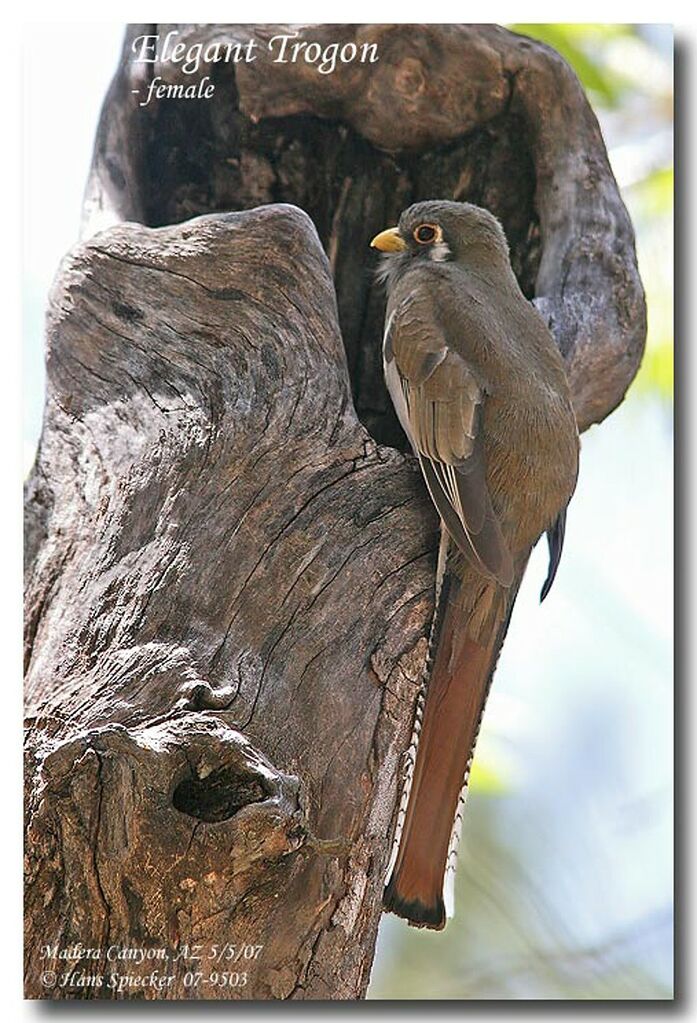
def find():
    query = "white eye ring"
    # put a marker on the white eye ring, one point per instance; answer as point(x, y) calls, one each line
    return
point(434, 234)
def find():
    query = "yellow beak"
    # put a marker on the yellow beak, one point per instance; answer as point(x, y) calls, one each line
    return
point(389, 241)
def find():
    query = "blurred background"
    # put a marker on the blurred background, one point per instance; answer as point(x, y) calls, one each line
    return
point(565, 882)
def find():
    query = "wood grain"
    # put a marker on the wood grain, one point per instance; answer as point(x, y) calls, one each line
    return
point(229, 560)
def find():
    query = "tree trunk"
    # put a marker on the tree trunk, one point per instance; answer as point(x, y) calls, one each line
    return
point(229, 560)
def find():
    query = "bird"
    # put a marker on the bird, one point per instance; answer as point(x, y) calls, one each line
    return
point(480, 389)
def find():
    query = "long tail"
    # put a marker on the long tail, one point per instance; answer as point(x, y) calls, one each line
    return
point(467, 636)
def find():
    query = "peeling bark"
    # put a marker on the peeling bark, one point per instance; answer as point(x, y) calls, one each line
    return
point(224, 640)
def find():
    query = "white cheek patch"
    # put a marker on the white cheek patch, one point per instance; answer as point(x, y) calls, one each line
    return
point(439, 252)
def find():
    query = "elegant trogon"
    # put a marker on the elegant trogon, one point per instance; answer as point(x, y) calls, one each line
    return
point(480, 389)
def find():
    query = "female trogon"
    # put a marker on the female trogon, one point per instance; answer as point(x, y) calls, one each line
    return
point(480, 389)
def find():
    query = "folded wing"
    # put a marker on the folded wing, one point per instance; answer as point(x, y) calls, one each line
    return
point(439, 403)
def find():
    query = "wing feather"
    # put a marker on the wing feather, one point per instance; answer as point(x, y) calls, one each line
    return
point(439, 402)
point(555, 540)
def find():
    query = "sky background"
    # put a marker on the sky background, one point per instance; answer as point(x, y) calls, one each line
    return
point(565, 880)
point(61, 101)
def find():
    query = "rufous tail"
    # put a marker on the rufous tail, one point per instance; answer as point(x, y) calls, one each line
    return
point(465, 642)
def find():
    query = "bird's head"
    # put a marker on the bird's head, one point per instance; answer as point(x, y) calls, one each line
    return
point(442, 231)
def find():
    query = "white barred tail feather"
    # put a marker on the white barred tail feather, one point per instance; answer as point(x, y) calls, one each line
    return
point(420, 877)
point(409, 757)
point(451, 862)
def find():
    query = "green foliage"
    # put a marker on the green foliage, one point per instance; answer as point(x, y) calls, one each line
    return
point(487, 778)
point(653, 195)
point(578, 45)
point(650, 203)
point(627, 77)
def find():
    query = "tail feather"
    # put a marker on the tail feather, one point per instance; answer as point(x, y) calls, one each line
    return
point(443, 581)
point(420, 885)
point(454, 845)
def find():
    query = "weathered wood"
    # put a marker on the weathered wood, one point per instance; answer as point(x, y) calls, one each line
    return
point(216, 563)
point(223, 639)
point(468, 112)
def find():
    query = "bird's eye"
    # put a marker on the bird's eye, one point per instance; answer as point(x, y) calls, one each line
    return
point(424, 234)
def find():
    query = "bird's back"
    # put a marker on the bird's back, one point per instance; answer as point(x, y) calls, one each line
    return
point(529, 427)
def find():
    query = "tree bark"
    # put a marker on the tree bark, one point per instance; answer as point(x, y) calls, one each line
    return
point(229, 561)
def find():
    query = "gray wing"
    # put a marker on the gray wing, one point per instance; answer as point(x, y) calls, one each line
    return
point(439, 403)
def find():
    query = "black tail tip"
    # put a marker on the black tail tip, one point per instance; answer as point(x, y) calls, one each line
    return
point(417, 913)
